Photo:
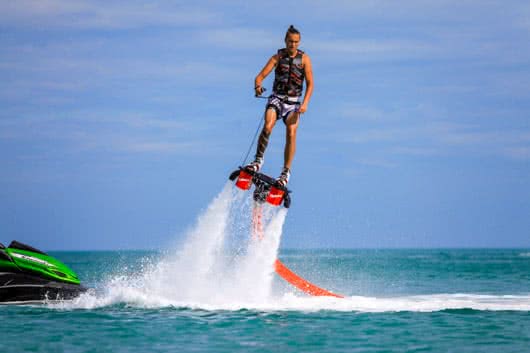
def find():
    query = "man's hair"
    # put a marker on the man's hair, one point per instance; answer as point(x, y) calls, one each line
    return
point(291, 30)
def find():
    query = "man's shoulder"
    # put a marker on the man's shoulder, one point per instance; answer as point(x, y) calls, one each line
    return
point(283, 52)
point(304, 55)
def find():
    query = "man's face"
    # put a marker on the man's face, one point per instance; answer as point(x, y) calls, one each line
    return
point(291, 42)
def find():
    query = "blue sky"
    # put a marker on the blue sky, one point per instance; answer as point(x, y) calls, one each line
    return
point(120, 121)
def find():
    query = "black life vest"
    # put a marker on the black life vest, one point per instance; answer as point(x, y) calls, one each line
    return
point(289, 74)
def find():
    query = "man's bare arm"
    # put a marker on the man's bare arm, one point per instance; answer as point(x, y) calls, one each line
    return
point(264, 73)
point(308, 71)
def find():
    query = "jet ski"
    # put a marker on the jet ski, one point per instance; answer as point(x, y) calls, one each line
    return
point(30, 275)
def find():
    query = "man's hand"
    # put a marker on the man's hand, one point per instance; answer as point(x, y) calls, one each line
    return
point(303, 108)
point(258, 90)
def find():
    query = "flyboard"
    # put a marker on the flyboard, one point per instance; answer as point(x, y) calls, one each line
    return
point(268, 190)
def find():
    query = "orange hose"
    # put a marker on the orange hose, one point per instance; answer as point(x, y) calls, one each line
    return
point(282, 270)
point(301, 283)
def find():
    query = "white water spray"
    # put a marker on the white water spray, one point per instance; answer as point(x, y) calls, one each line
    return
point(256, 270)
point(220, 264)
point(187, 273)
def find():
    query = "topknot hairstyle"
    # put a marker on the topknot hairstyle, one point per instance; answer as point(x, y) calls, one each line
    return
point(291, 30)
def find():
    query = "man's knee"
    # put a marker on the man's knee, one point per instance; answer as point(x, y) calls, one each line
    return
point(267, 128)
point(291, 130)
point(270, 120)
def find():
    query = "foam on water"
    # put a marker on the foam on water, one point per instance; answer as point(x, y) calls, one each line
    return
point(292, 302)
point(414, 303)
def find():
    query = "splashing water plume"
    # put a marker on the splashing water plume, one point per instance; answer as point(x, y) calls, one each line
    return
point(219, 265)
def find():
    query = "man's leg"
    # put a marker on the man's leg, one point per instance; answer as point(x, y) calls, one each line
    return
point(263, 141)
point(291, 124)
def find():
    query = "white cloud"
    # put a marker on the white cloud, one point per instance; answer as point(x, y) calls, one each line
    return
point(480, 137)
point(514, 144)
point(378, 162)
point(86, 131)
point(101, 14)
point(416, 151)
point(159, 147)
point(518, 153)
point(367, 49)
point(47, 79)
point(130, 120)
point(358, 113)
point(432, 138)
point(240, 38)
point(414, 11)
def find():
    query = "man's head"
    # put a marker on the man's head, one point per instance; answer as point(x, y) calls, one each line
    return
point(292, 39)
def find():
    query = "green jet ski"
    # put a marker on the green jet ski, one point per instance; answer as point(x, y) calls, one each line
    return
point(30, 275)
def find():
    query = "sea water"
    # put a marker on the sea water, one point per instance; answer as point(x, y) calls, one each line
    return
point(216, 291)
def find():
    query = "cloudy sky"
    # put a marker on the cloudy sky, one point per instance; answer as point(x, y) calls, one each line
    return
point(120, 121)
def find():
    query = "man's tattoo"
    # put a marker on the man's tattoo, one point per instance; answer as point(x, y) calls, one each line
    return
point(262, 144)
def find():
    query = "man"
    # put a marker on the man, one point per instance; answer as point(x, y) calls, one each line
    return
point(293, 66)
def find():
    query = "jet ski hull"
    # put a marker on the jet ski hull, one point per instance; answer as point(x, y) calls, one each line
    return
point(22, 287)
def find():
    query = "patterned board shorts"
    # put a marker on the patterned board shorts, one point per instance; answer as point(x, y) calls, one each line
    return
point(282, 106)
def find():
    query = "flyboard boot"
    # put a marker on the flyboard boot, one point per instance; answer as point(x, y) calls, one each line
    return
point(254, 166)
point(284, 177)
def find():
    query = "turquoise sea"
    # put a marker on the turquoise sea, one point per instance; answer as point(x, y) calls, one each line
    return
point(216, 291)
point(397, 301)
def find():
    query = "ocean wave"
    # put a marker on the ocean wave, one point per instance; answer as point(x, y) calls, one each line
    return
point(524, 254)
